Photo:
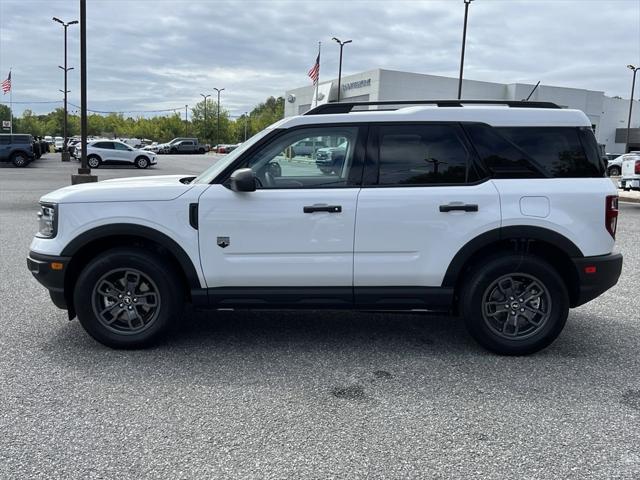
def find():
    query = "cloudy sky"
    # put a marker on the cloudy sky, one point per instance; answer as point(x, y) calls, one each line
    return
point(161, 54)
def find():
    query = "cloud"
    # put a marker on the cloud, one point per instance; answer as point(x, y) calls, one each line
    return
point(151, 54)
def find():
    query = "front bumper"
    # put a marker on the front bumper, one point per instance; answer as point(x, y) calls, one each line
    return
point(596, 275)
point(42, 268)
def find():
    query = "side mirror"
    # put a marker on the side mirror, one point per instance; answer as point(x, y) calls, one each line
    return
point(242, 180)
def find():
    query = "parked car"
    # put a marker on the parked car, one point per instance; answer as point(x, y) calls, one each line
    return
point(166, 147)
point(630, 171)
point(132, 142)
point(306, 147)
point(225, 148)
point(614, 166)
point(154, 147)
point(440, 207)
point(58, 144)
point(101, 152)
point(16, 148)
point(187, 146)
point(331, 158)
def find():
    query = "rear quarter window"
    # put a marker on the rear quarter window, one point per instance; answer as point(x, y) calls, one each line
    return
point(537, 152)
point(559, 151)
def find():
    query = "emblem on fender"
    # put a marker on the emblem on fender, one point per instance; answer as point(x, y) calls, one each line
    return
point(223, 242)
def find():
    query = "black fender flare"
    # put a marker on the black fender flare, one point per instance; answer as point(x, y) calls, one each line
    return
point(148, 233)
point(518, 232)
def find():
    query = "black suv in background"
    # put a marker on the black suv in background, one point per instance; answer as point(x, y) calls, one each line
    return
point(16, 148)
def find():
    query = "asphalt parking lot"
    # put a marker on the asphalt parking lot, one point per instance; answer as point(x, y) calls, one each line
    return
point(318, 394)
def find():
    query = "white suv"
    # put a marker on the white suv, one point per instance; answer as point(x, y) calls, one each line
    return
point(101, 152)
point(497, 211)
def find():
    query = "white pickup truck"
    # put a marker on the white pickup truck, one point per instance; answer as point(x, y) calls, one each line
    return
point(630, 171)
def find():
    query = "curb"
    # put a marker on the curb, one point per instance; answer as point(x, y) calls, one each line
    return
point(626, 199)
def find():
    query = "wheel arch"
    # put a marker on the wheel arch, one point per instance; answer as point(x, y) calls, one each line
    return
point(100, 239)
point(552, 246)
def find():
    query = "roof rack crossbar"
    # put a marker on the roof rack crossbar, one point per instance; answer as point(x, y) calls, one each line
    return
point(347, 107)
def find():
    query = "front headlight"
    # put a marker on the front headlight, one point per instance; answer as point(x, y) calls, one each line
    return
point(47, 220)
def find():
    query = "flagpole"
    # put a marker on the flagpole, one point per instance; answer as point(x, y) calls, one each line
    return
point(318, 82)
point(11, 103)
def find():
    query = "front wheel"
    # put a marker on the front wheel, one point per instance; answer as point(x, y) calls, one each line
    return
point(514, 304)
point(142, 162)
point(128, 298)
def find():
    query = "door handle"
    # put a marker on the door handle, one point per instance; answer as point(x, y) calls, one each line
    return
point(322, 208)
point(463, 208)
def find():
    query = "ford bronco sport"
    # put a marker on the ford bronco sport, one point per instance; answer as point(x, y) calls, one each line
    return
point(497, 211)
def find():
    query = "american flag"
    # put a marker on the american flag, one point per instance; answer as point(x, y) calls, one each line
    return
point(6, 85)
point(314, 73)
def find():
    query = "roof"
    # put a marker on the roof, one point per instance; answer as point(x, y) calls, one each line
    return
point(499, 116)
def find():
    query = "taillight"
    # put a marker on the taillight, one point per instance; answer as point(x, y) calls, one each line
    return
point(637, 170)
point(611, 213)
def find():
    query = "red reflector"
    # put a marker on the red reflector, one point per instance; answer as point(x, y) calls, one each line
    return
point(590, 269)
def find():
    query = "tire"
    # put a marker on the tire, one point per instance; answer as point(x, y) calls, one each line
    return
point(614, 172)
point(141, 162)
point(99, 289)
point(94, 161)
point(173, 151)
point(489, 285)
point(19, 160)
point(201, 151)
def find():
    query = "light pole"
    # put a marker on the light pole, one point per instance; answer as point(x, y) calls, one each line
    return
point(464, 41)
point(218, 132)
point(186, 124)
point(246, 121)
point(342, 44)
point(205, 114)
point(633, 84)
point(84, 172)
point(65, 152)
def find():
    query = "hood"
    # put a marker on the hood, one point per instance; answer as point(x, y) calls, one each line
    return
point(136, 189)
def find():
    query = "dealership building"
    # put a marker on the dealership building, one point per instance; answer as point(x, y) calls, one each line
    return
point(608, 115)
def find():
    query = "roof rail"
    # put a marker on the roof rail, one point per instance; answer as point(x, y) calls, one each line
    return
point(347, 107)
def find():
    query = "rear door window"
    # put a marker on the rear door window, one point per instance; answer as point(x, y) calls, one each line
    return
point(422, 154)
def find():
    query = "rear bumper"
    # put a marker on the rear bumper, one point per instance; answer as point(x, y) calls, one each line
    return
point(53, 280)
point(596, 275)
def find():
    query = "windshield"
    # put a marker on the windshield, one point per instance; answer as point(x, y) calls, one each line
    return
point(214, 170)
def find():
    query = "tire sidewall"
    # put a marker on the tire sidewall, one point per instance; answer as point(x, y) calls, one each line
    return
point(169, 290)
point(487, 273)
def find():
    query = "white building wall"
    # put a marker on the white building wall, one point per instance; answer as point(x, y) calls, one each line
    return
point(397, 85)
point(615, 114)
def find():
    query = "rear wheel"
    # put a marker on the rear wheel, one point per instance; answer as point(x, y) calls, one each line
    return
point(142, 162)
point(614, 172)
point(19, 160)
point(514, 304)
point(94, 161)
point(128, 298)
